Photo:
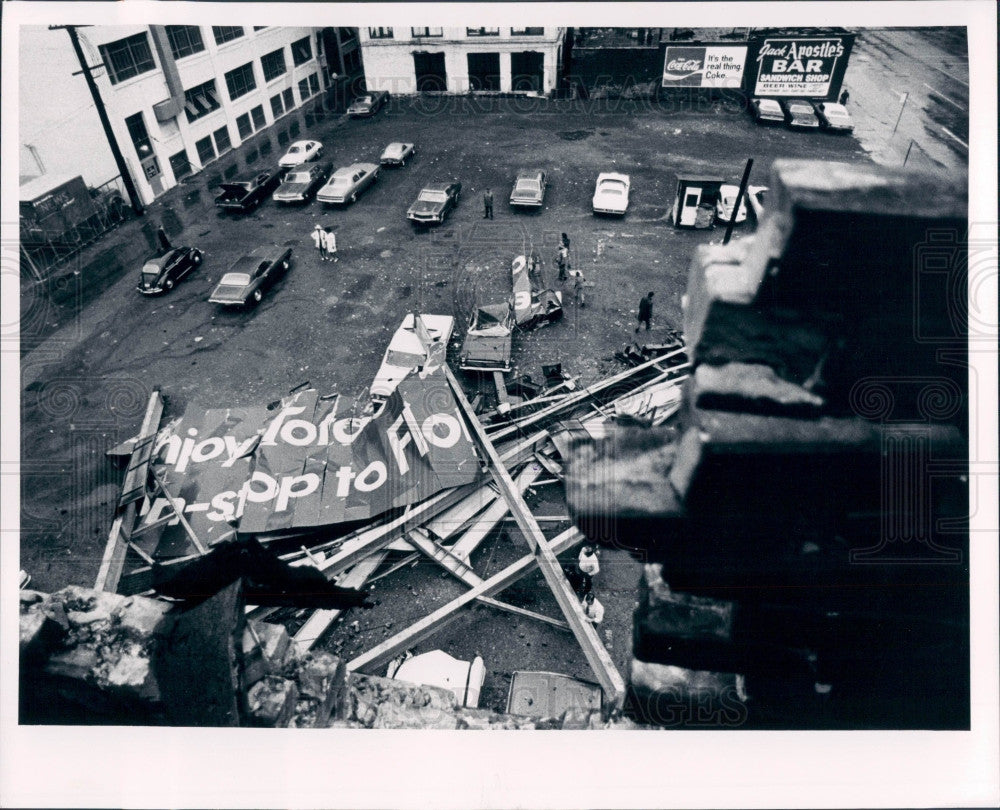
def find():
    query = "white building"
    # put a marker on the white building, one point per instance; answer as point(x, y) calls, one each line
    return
point(457, 60)
point(178, 96)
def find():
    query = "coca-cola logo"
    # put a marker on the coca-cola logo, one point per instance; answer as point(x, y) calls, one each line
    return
point(684, 64)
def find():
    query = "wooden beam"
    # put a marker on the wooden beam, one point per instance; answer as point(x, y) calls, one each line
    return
point(580, 396)
point(415, 633)
point(113, 561)
point(180, 513)
point(488, 521)
point(586, 635)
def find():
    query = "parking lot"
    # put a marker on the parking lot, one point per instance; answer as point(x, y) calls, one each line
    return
point(90, 368)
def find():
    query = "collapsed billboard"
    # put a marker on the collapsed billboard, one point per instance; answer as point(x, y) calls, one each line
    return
point(307, 463)
point(806, 67)
point(704, 65)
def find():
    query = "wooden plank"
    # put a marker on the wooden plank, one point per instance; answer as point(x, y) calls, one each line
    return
point(317, 624)
point(134, 486)
point(501, 387)
point(488, 521)
point(583, 630)
point(180, 514)
point(383, 653)
point(113, 560)
point(580, 396)
point(449, 522)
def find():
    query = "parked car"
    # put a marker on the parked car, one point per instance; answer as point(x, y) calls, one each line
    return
point(529, 189)
point(301, 152)
point(766, 110)
point(611, 193)
point(242, 196)
point(301, 183)
point(727, 199)
point(434, 203)
point(799, 114)
point(418, 338)
point(489, 338)
point(347, 183)
point(160, 273)
point(368, 104)
point(396, 154)
point(464, 679)
point(833, 117)
point(250, 276)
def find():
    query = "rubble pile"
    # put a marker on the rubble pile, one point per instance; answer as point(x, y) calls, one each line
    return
point(802, 523)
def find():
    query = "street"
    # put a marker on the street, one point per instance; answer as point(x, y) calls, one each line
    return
point(89, 365)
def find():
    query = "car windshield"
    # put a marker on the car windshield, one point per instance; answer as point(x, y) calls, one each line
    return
point(403, 359)
point(151, 269)
point(340, 181)
point(297, 177)
point(769, 104)
point(528, 186)
point(236, 279)
point(835, 112)
point(800, 108)
point(614, 187)
point(433, 195)
point(294, 149)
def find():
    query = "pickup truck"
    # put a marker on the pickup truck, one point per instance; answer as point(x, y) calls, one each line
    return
point(242, 196)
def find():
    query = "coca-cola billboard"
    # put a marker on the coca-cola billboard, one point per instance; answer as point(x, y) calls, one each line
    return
point(704, 65)
point(799, 66)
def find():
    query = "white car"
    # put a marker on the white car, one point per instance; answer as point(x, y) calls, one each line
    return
point(727, 199)
point(396, 154)
point(419, 338)
point(347, 183)
point(611, 193)
point(436, 668)
point(300, 152)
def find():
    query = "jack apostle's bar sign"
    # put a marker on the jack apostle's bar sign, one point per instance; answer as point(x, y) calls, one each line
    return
point(805, 67)
point(308, 463)
point(704, 65)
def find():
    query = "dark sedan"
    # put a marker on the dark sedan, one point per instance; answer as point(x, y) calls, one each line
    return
point(161, 273)
point(529, 189)
point(368, 104)
point(241, 196)
point(799, 114)
point(249, 278)
point(301, 183)
point(434, 203)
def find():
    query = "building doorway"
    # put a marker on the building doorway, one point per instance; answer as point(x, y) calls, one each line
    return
point(430, 72)
point(484, 71)
point(527, 72)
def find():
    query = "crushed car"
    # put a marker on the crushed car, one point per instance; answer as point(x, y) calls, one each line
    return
point(160, 273)
point(420, 340)
point(251, 276)
point(242, 196)
point(534, 305)
point(488, 339)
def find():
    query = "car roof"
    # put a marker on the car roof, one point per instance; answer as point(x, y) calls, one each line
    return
point(266, 252)
point(162, 259)
point(437, 186)
point(303, 143)
point(621, 178)
point(398, 145)
point(529, 174)
point(343, 171)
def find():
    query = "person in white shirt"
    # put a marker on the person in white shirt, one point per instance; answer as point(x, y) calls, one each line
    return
point(592, 609)
point(318, 240)
point(589, 567)
point(330, 243)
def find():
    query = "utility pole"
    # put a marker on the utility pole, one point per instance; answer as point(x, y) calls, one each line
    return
point(739, 199)
point(85, 69)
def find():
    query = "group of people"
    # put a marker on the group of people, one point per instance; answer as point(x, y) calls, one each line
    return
point(326, 243)
point(588, 566)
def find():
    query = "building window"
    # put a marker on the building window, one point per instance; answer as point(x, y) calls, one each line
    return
point(352, 61)
point(347, 35)
point(240, 81)
point(273, 64)
point(180, 165)
point(427, 32)
point(222, 142)
point(184, 40)
point(226, 33)
point(380, 33)
point(301, 51)
point(243, 126)
point(140, 136)
point(482, 32)
point(304, 89)
point(314, 84)
point(527, 32)
point(289, 95)
point(206, 152)
point(127, 58)
point(277, 108)
point(257, 114)
point(201, 100)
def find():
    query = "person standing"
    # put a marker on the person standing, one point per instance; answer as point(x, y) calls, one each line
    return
point(488, 204)
point(645, 311)
point(562, 261)
point(163, 239)
point(330, 244)
point(579, 291)
point(318, 237)
point(589, 567)
point(844, 96)
point(593, 609)
point(565, 241)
